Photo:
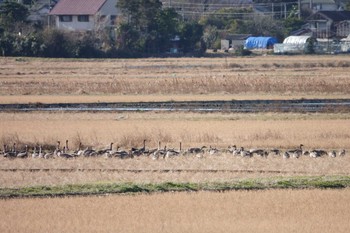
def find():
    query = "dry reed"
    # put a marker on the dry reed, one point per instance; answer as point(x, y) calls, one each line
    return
point(221, 130)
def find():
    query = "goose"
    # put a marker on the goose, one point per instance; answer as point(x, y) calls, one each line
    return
point(299, 150)
point(196, 150)
point(41, 154)
point(64, 154)
point(118, 153)
point(332, 154)
point(108, 150)
point(286, 155)
point(123, 154)
point(314, 154)
point(57, 150)
point(4, 150)
point(139, 151)
point(89, 152)
point(49, 155)
point(171, 153)
point(235, 151)
point(35, 154)
point(306, 153)
point(23, 154)
point(159, 153)
point(342, 153)
point(212, 150)
point(79, 151)
point(7, 153)
point(275, 152)
point(319, 153)
point(245, 153)
point(260, 152)
point(13, 152)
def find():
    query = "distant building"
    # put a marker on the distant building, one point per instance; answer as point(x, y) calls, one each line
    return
point(84, 15)
point(233, 41)
point(319, 5)
point(330, 24)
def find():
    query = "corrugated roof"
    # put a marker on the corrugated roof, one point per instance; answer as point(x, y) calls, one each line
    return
point(77, 7)
point(336, 16)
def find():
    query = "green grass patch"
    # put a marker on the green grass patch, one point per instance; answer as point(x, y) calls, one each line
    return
point(318, 182)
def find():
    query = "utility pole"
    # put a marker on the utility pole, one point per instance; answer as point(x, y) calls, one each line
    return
point(299, 6)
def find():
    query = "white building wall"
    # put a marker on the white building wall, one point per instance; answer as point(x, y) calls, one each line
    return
point(75, 25)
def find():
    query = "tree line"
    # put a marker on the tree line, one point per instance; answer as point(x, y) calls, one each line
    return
point(144, 28)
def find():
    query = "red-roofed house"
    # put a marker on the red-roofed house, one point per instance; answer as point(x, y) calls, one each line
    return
point(84, 15)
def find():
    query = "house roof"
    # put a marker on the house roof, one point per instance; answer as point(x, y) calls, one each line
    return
point(77, 7)
point(331, 2)
point(336, 16)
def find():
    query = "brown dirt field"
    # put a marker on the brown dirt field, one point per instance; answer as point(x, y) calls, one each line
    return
point(270, 75)
point(241, 211)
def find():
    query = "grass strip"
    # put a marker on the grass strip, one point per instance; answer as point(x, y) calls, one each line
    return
point(307, 182)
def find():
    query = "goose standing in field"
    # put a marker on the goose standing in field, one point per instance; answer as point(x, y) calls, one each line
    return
point(12, 153)
point(306, 153)
point(234, 150)
point(41, 154)
point(297, 152)
point(245, 153)
point(89, 152)
point(275, 152)
point(332, 154)
point(57, 150)
point(342, 153)
point(213, 151)
point(171, 153)
point(104, 151)
point(196, 150)
point(122, 154)
point(139, 151)
point(64, 154)
point(313, 154)
point(259, 152)
point(317, 153)
point(23, 154)
point(8, 153)
point(35, 154)
point(285, 155)
point(159, 153)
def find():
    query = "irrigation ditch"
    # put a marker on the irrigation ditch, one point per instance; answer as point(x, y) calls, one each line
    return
point(239, 106)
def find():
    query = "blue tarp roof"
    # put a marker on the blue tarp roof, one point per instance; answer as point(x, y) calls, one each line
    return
point(259, 42)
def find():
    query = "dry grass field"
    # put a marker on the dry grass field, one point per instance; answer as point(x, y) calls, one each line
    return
point(252, 76)
point(31, 80)
point(241, 211)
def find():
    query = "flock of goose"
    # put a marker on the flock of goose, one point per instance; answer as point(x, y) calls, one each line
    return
point(65, 152)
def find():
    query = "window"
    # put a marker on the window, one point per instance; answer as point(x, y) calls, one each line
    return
point(83, 18)
point(66, 18)
point(113, 19)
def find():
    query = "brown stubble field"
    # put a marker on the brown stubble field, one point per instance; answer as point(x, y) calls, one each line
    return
point(240, 211)
point(31, 80)
point(234, 76)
